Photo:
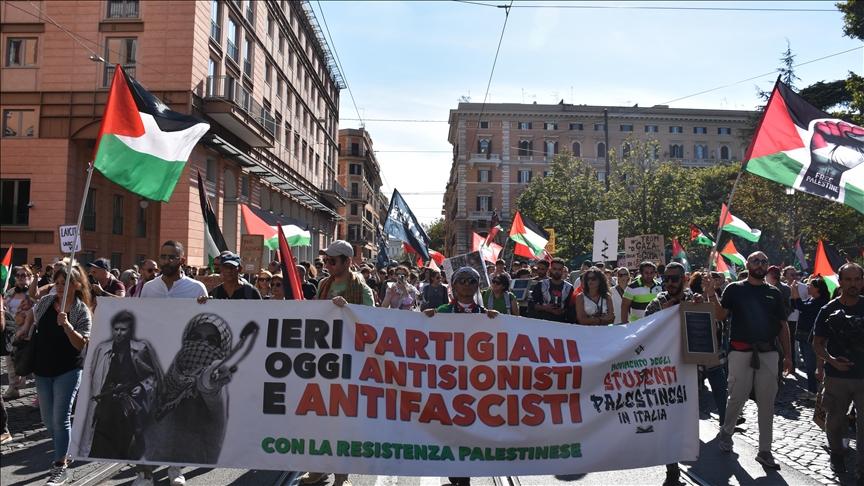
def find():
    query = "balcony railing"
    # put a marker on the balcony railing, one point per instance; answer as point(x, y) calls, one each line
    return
point(228, 88)
point(334, 186)
point(122, 9)
point(216, 32)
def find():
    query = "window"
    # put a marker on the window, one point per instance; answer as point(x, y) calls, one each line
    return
point(122, 9)
point(139, 258)
point(626, 128)
point(576, 126)
point(355, 148)
point(700, 130)
point(676, 129)
point(651, 128)
point(355, 190)
point(212, 170)
point(355, 210)
point(525, 125)
point(551, 126)
point(141, 224)
point(484, 147)
point(700, 152)
point(524, 176)
point(484, 124)
point(244, 185)
point(21, 52)
point(19, 123)
point(247, 57)
point(484, 203)
point(724, 153)
point(577, 149)
point(117, 221)
point(14, 200)
point(724, 131)
point(269, 26)
point(88, 223)
point(232, 41)
point(601, 149)
point(601, 176)
point(484, 175)
point(526, 148)
point(281, 43)
point(551, 148)
point(116, 260)
point(279, 87)
point(250, 13)
point(215, 25)
point(625, 150)
point(355, 169)
point(676, 151)
point(268, 72)
point(599, 127)
point(119, 50)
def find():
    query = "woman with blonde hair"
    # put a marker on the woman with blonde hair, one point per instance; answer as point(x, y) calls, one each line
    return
point(263, 283)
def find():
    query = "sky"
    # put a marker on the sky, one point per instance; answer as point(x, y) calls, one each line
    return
point(414, 60)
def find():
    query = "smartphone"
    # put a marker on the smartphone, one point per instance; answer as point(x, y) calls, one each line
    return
point(91, 279)
point(37, 262)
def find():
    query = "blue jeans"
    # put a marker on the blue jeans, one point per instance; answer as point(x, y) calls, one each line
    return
point(810, 367)
point(717, 380)
point(56, 395)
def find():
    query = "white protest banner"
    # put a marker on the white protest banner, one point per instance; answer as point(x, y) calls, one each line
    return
point(67, 239)
point(645, 248)
point(474, 260)
point(359, 390)
point(605, 240)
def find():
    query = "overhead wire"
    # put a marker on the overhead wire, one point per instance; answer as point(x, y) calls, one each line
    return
point(653, 7)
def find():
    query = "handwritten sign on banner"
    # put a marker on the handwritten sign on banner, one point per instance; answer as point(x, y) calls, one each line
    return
point(645, 248)
point(316, 387)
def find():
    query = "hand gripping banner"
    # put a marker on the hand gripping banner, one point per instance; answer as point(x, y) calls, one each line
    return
point(310, 386)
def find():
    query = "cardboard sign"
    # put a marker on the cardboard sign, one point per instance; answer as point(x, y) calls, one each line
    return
point(550, 245)
point(605, 240)
point(645, 248)
point(67, 239)
point(251, 252)
point(473, 260)
point(699, 334)
point(209, 281)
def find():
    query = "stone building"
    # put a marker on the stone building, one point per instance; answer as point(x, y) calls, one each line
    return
point(360, 175)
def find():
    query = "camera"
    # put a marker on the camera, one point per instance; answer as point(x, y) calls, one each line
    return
point(402, 278)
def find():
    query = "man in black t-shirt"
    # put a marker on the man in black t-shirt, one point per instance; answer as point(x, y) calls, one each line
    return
point(758, 320)
point(231, 286)
point(552, 299)
point(844, 368)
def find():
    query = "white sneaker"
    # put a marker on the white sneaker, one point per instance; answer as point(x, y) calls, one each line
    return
point(175, 476)
point(11, 393)
point(142, 481)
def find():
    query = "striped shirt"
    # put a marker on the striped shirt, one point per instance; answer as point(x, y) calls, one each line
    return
point(641, 295)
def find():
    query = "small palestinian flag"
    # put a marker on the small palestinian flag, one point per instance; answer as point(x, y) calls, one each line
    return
point(730, 252)
point(679, 255)
point(528, 233)
point(722, 267)
point(496, 227)
point(800, 261)
point(6, 269)
point(737, 227)
point(214, 242)
point(142, 145)
point(824, 267)
point(296, 236)
point(800, 146)
point(698, 237)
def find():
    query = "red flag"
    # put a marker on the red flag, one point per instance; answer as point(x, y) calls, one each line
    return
point(496, 226)
point(290, 279)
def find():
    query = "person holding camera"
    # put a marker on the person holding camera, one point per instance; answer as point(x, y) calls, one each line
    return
point(552, 299)
point(400, 294)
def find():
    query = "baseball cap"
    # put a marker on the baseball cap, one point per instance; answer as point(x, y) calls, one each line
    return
point(101, 263)
point(230, 259)
point(774, 269)
point(338, 247)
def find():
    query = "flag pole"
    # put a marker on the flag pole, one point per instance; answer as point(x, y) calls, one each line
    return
point(77, 235)
point(723, 217)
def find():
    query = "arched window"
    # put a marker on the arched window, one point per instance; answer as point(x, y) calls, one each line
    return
point(483, 147)
point(577, 149)
point(601, 149)
point(724, 152)
point(550, 149)
point(700, 152)
point(676, 151)
point(524, 148)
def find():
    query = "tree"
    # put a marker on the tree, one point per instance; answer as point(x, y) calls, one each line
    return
point(569, 200)
point(826, 96)
point(853, 18)
point(435, 230)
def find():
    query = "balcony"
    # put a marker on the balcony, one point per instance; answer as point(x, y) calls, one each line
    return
point(480, 215)
point(359, 194)
point(232, 105)
point(122, 9)
point(483, 157)
point(362, 237)
point(334, 193)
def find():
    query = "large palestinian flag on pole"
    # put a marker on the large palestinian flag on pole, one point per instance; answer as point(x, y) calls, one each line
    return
point(142, 145)
point(737, 226)
point(800, 146)
point(294, 235)
point(528, 233)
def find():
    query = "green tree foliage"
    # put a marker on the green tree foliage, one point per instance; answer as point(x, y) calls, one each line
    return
point(569, 200)
point(826, 96)
point(855, 85)
point(436, 232)
point(853, 18)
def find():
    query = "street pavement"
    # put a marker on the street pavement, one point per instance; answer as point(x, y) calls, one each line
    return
point(798, 447)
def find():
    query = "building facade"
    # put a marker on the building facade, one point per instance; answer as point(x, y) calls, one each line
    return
point(260, 72)
point(496, 154)
point(360, 175)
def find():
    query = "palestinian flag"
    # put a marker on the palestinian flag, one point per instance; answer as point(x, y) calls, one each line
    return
point(496, 227)
point(255, 225)
point(824, 267)
point(526, 232)
point(800, 146)
point(6, 269)
point(490, 252)
point(679, 255)
point(738, 227)
point(730, 252)
point(290, 277)
point(699, 237)
point(142, 145)
point(722, 267)
point(214, 242)
point(436, 257)
point(800, 261)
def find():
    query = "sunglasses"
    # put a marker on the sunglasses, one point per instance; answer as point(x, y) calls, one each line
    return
point(623, 275)
point(19, 275)
point(466, 281)
point(673, 278)
point(277, 284)
point(592, 279)
point(758, 261)
point(265, 279)
point(330, 260)
point(497, 282)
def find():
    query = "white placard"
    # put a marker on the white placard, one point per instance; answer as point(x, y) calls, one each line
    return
point(606, 240)
point(67, 238)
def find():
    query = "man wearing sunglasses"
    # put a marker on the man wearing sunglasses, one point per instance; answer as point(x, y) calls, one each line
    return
point(552, 299)
point(149, 270)
point(758, 321)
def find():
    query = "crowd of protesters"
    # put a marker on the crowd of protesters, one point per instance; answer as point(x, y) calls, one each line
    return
point(770, 320)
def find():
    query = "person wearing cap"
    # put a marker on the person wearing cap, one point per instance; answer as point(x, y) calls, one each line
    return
point(231, 287)
point(105, 285)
